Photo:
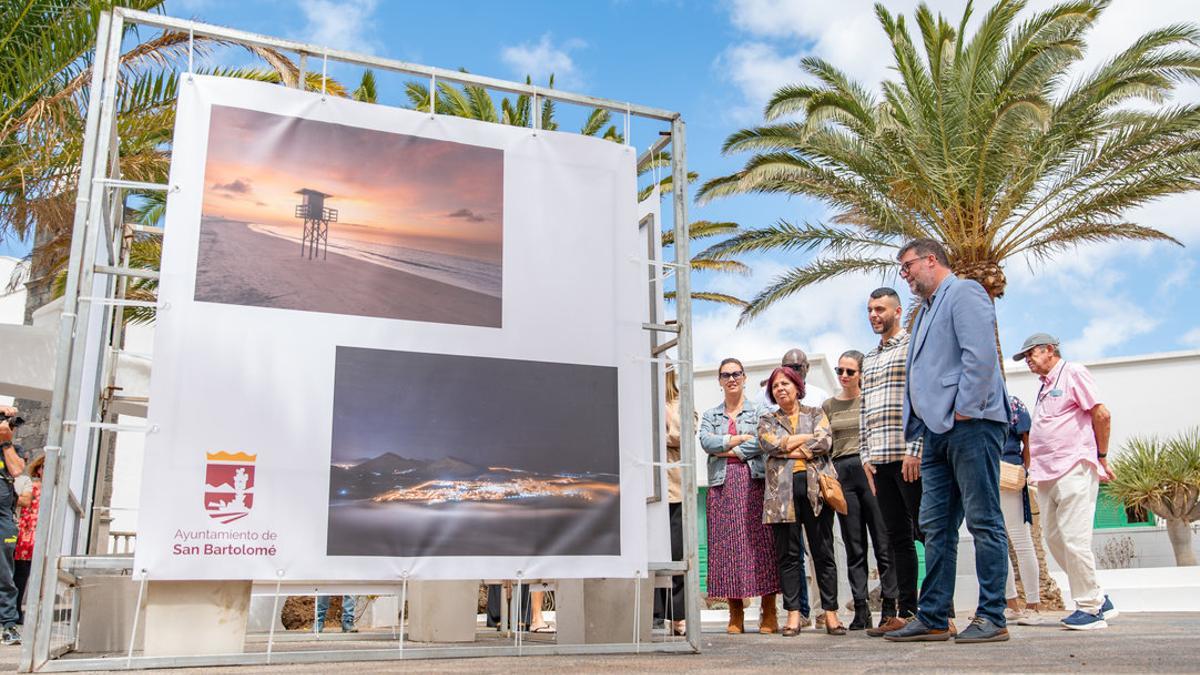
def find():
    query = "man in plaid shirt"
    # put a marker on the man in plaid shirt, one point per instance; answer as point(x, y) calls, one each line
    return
point(892, 465)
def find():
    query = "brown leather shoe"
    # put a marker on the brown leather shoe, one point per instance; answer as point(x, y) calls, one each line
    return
point(887, 625)
point(768, 619)
point(736, 616)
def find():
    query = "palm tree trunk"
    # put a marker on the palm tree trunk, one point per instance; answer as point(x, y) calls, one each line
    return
point(1179, 531)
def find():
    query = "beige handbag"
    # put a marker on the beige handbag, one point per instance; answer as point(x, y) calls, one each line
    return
point(1012, 476)
point(831, 493)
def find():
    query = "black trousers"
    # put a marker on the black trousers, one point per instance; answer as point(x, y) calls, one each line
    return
point(818, 530)
point(21, 569)
point(497, 603)
point(678, 583)
point(900, 504)
point(863, 517)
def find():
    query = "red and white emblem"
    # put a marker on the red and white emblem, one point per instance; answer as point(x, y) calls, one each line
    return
point(229, 485)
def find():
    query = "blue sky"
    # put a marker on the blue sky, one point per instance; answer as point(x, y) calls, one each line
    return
point(716, 62)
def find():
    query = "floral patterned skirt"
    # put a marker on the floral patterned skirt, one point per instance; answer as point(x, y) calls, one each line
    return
point(741, 549)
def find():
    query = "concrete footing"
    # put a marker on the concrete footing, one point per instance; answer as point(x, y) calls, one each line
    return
point(442, 611)
point(601, 611)
point(185, 618)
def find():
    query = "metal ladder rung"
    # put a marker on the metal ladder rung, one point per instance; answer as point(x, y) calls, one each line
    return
point(662, 327)
point(127, 272)
point(132, 184)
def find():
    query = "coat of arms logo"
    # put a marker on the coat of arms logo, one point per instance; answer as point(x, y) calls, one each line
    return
point(229, 485)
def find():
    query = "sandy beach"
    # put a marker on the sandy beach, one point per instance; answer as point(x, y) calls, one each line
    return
point(238, 266)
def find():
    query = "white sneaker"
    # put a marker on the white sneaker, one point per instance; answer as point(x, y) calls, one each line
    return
point(1032, 617)
point(1011, 614)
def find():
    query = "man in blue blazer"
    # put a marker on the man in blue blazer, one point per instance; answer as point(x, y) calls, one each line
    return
point(955, 399)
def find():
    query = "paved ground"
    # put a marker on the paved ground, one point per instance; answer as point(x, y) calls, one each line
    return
point(1136, 643)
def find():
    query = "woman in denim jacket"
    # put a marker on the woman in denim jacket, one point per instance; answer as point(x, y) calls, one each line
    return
point(741, 551)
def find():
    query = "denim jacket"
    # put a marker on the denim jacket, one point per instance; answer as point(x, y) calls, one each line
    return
point(714, 433)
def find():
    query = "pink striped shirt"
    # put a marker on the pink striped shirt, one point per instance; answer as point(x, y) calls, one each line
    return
point(1062, 434)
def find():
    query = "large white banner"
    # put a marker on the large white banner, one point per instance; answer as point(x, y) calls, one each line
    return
point(393, 344)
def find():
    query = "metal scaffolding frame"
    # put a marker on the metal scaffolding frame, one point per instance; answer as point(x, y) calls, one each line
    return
point(90, 338)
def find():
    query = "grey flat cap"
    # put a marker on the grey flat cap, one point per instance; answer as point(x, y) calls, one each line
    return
point(1035, 340)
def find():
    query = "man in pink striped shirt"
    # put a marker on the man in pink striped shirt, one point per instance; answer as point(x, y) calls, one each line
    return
point(1068, 450)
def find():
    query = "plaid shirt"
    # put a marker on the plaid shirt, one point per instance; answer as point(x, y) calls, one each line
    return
point(880, 427)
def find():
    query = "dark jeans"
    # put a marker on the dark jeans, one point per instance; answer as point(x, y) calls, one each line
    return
point(819, 532)
point(960, 473)
point(9, 616)
point(863, 516)
point(900, 504)
point(676, 610)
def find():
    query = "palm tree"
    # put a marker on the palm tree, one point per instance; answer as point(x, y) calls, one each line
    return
point(45, 74)
point(1163, 476)
point(984, 143)
point(474, 102)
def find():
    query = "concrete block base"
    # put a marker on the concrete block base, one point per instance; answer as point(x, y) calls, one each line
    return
point(196, 617)
point(601, 611)
point(442, 611)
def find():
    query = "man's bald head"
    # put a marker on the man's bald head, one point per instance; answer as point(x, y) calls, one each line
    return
point(797, 360)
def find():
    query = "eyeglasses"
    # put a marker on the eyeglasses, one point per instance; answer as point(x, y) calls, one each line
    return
point(736, 375)
point(848, 372)
point(905, 265)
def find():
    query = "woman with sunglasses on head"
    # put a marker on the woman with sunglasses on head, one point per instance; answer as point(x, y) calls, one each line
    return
point(741, 551)
point(862, 510)
point(796, 441)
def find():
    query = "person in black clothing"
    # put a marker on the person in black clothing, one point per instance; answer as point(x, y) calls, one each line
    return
point(863, 515)
point(12, 466)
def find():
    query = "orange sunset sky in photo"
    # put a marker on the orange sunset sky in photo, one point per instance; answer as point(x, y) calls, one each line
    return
point(417, 192)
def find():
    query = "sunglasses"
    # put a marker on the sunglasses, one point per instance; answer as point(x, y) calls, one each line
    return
point(848, 372)
point(736, 375)
point(798, 367)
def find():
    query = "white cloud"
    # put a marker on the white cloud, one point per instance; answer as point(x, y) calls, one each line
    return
point(344, 24)
point(825, 319)
point(1111, 327)
point(776, 34)
point(1191, 338)
point(544, 58)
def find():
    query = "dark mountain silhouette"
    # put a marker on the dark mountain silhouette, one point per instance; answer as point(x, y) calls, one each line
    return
point(390, 471)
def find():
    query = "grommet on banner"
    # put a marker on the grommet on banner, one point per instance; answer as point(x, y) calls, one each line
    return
point(403, 602)
point(517, 611)
point(637, 611)
point(274, 613)
point(137, 615)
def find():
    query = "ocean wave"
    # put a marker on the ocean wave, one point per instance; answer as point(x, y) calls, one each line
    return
point(469, 273)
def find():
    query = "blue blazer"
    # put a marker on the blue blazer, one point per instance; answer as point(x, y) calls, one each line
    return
point(953, 365)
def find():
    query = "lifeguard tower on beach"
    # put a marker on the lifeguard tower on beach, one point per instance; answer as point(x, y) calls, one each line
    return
point(316, 222)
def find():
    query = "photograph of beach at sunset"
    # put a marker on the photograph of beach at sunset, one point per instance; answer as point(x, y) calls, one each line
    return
point(408, 227)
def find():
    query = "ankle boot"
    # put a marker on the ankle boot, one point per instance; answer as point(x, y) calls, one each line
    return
point(768, 620)
point(736, 607)
point(889, 609)
point(862, 616)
